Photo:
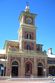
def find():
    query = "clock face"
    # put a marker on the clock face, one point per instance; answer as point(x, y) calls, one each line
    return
point(28, 20)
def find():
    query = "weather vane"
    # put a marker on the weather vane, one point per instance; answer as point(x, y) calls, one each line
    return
point(27, 7)
point(27, 3)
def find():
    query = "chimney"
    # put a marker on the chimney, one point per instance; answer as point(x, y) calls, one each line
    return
point(50, 51)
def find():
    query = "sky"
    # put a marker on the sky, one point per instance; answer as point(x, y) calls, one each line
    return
point(45, 20)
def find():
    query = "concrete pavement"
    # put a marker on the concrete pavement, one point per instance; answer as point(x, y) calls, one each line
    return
point(26, 80)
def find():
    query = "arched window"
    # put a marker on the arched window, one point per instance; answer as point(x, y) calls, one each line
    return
point(40, 65)
point(14, 63)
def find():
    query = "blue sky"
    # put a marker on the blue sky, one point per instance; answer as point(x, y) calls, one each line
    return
point(45, 21)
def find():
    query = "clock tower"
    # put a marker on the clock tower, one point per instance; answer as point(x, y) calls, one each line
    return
point(27, 30)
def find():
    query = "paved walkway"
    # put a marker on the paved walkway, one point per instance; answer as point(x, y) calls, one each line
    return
point(26, 80)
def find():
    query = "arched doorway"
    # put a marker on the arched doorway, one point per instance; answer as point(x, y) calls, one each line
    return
point(14, 71)
point(40, 69)
point(52, 70)
point(1, 70)
point(28, 69)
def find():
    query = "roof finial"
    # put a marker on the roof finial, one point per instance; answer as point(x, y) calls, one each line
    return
point(27, 3)
point(27, 7)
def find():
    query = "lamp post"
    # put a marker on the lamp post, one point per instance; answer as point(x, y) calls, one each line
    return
point(44, 72)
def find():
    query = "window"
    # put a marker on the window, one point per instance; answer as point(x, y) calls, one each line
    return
point(51, 61)
point(27, 36)
point(15, 63)
point(28, 47)
point(30, 37)
point(32, 46)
